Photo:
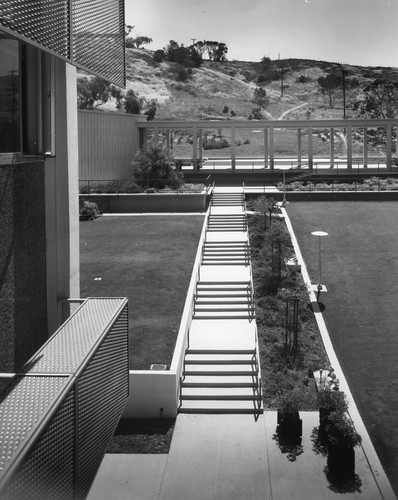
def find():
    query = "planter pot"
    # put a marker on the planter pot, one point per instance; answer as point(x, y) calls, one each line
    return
point(289, 424)
point(341, 460)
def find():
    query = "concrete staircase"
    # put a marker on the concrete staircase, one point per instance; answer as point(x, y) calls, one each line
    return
point(221, 381)
point(221, 371)
point(223, 300)
point(227, 253)
point(226, 222)
point(232, 199)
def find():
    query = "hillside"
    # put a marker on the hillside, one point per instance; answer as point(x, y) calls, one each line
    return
point(224, 90)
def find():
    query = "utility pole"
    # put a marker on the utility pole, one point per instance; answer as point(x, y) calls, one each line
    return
point(344, 73)
point(193, 41)
point(281, 66)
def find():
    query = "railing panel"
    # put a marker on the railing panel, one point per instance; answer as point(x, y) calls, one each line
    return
point(59, 413)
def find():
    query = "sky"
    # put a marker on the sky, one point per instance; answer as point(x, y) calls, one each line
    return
point(357, 32)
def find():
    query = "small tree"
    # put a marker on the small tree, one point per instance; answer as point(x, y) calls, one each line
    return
point(330, 84)
point(154, 166)
point(260, 97)
point(266, 207)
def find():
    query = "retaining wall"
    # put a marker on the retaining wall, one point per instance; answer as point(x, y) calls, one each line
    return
point(148, 202)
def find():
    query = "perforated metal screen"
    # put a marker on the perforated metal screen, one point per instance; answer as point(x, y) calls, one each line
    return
point(57, 418)
point(88, 33)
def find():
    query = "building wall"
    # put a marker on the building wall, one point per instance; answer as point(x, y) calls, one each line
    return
point(23, 289)
point(107, 145)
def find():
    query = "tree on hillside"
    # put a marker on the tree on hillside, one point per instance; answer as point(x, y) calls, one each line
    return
point(260, 97)
point(378, 100)
point(331, 84)
point(217, 51)
point(142, 40)
point(133, 104)
point(266, 62)
point(92, 92)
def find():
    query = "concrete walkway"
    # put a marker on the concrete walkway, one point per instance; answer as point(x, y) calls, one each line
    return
point(234, 456)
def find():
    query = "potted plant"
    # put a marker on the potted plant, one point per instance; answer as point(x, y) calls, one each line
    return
point(330, 401)
point(289, 421)
point(342, 438)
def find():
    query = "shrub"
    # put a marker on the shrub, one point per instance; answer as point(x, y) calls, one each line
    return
point(215, 143)
point(89, 211)
point(303, 79)
point(155, 167)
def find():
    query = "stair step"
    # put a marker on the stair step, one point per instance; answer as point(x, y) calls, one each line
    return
point(227, 405)
point(225, 385)
point(221, 301)
point(211, 362)
point(220, 351)
point(223, 283)
point(216, 308)
point(248, 317)
point(237, 411)
point(217, 370)
point(220, 380)
point(220, 397)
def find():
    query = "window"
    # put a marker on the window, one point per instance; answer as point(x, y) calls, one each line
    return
point(10, 98)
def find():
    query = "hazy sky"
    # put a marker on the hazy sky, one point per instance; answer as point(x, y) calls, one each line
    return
point(361, 32)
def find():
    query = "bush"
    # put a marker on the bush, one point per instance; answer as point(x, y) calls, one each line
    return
point(215, 143)
point(155, 167)
point(159, 55)
point(89, 211)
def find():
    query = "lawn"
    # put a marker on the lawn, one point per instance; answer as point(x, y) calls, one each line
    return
point(149, 260)
point(360, 270)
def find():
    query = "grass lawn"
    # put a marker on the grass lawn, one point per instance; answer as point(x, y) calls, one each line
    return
point(149, 260)
point(360, 269)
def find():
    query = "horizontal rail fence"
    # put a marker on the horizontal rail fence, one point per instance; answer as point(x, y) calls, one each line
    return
point(62, 408)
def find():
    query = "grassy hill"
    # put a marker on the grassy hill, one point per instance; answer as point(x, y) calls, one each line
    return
point(216, 86)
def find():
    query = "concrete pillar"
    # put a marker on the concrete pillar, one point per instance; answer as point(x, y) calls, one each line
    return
point(195, 148)
point(388, 146)
point(200, 153)
point(299, 147)
point(156, 135)
point(271, 148)
point(365, 147)
point(396, 142)
point(168, 138)
point(349, 147)
point(332, 147)
point(266, 148)
point(310, 149)
point(233, 152)
point(62, 200)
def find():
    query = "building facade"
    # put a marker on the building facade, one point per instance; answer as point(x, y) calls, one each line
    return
point(41, 44)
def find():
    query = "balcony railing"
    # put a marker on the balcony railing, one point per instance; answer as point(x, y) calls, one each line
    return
point(59, 412)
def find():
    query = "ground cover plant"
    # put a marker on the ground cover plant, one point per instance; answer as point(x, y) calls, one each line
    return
point(149, 260)
point(360, 270)
point(129, 186)
point(142, 436)
point(289, 342)
point(369, 184)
